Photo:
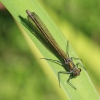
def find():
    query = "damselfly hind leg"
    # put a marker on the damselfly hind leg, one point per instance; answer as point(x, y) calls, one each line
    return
point(55, 61)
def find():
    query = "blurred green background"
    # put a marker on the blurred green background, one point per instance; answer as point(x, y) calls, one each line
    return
point(21, 78)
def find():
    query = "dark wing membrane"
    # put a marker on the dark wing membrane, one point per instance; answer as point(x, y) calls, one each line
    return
point(41, 26)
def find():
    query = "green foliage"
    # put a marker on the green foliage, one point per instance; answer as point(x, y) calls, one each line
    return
point(83, 84)
point(83, 14)
point(21, 77)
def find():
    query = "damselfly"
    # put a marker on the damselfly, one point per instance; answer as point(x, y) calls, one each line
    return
point(67, 62)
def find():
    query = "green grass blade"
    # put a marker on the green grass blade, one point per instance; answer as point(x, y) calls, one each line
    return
point(85, 89)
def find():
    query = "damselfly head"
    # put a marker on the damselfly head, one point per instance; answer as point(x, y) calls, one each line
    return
point(76, 72)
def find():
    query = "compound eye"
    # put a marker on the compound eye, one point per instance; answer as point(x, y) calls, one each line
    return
point(68, 60)
point(78, 72)
point(80, 69)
